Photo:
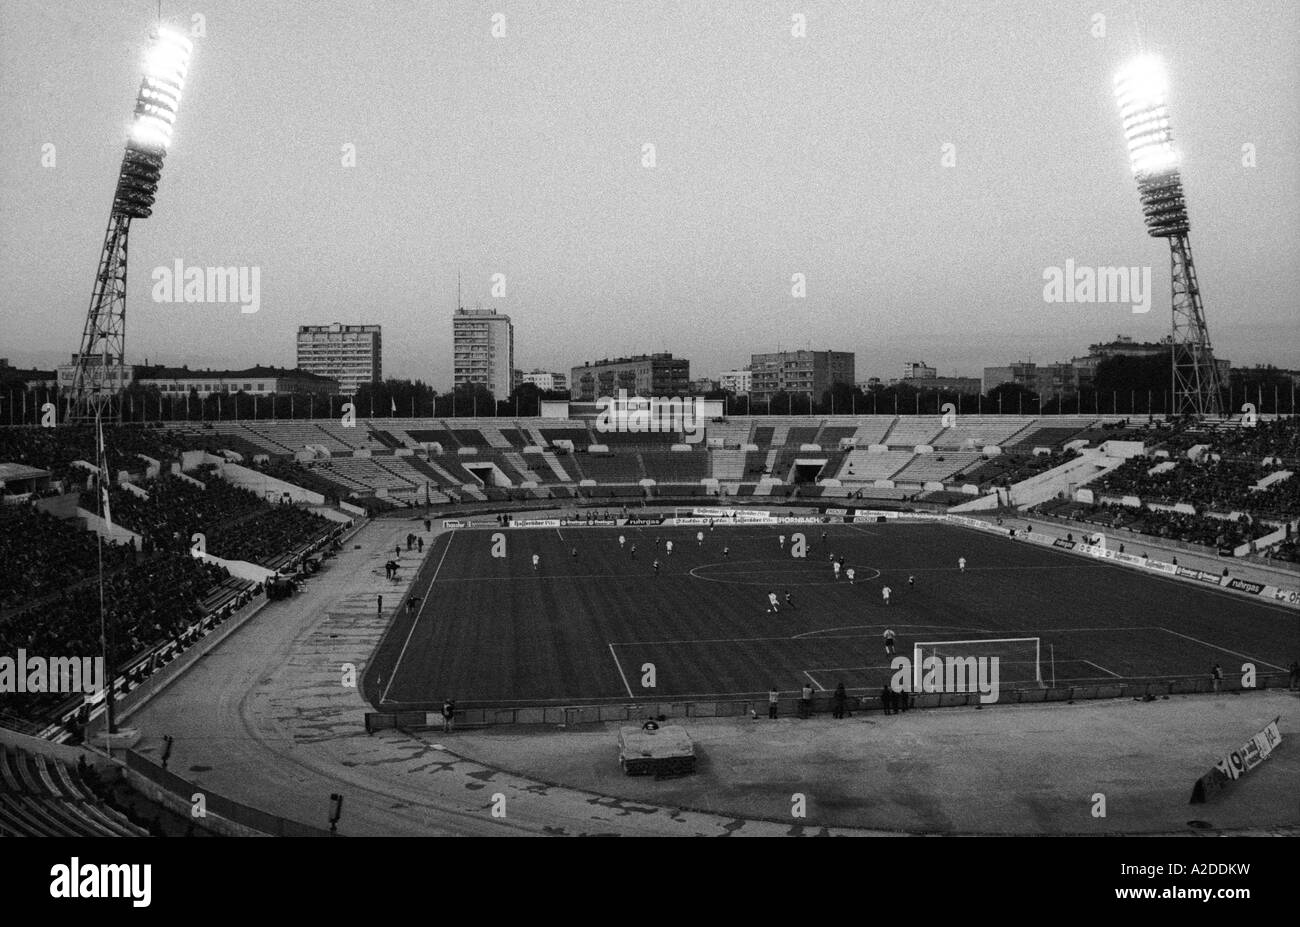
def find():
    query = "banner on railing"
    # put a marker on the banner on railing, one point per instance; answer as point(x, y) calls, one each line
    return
point(1237, 763)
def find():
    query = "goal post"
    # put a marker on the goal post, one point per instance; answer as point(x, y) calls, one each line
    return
point(1020, 659)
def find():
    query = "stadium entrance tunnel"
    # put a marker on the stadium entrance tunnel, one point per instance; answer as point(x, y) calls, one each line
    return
point(806, 471)
point(488, 474)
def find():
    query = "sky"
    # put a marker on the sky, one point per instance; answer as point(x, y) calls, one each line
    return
point(921, 163)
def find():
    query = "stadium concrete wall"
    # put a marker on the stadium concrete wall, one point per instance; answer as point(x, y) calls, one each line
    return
point(268, 487)
point(788, 707)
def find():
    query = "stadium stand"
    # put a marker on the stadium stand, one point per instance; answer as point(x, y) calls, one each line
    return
point(41, 797)
point(862, 466)
point(913, 431)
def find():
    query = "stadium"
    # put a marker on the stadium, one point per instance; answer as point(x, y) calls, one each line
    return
point(328, 602)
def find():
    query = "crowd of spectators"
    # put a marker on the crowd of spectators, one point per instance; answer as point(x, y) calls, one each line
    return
point(1207, 484)
point(42, 554)
point(176, 508)
point(268, 537)
point(1009, 469)
point(1204, 530)
point(145, 603)
point(235, 522)
point(55, 449)
point(291, 471)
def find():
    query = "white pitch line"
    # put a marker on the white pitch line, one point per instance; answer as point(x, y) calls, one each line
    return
point(620, 671)
point(820, 687)
point(1224, 649)
point(419, 613)
point(1102, 668)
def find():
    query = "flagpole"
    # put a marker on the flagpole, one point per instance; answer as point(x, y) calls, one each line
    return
point(104, 515)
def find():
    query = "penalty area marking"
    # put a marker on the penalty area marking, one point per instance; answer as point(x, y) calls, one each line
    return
point(418, 614)
point(1102, 668)
point(1235, 653)
point(621, 674)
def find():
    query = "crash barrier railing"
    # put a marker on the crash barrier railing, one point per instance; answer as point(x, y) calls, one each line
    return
point(181, 796)
point(822, 703)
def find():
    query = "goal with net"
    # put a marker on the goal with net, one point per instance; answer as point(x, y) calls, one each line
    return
point(960, 666)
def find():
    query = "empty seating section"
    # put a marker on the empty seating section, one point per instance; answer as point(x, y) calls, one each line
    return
point(609, 468)
point(296, 436)
point(42, 797)
point(358, 437)
point(514, 437)
point(731, 434)
point(727, 464)
point(578, 435)
point(979, 432)
point(873, 430)
point(936, 467)
point(796, 436)
point(864, 466)
point(469, 437)
point(831, 435)
point(495, 437)
point(914, 430)
point(676, 466)
point(441, 436)
point(386, 439)
point(524, 468)
point(364, 472)
point(638, 438)
point(1053, 436)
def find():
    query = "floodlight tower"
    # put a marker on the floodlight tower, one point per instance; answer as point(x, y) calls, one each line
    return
point(1142, 91)
point(100, 373)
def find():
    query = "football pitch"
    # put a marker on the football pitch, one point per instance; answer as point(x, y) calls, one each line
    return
point(594, 622)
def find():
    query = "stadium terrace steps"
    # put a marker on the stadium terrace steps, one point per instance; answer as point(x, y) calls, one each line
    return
point(521, 467)
point(979, 432)
point(727, 465)
point(937, 467)
point(1054, 435)
point(553, 462)
point(677, 466)
point(913, 431)
point(731, 434)
point(873, 431)
point(356, 438)
point(495, 438)
point(43, 797)
point(863, 466)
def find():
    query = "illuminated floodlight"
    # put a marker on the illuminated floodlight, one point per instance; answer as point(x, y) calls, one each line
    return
point(166, 66)
point(1142, 91)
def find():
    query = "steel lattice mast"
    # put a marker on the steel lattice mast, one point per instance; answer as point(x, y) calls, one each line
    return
point(1142, 92)
point(99, 375)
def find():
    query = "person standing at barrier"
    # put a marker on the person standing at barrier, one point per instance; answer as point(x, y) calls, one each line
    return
point(1294, 681)
point(806, 701)
point(1216, 677)
point(448, 715)
point(886, 699)
point(772, 698)
point(838, 700)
